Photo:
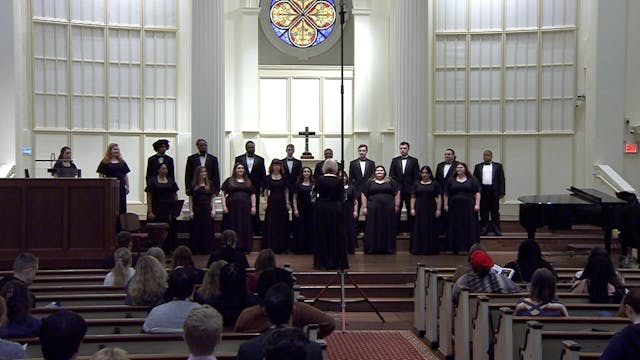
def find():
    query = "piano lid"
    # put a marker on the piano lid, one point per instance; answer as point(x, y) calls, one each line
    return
point(576, 197)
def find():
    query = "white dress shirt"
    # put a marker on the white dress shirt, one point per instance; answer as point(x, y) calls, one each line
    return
point(487, 174)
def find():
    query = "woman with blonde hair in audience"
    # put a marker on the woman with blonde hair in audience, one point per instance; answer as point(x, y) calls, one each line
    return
point(266, 259)
point(148, 285)
point(8, 350)
point(542, 297)
point(211, 283)
point(122, 270)
point(110, 354)
point(159, 254)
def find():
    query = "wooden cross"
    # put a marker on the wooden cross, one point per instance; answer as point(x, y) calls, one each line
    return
point(306, 154)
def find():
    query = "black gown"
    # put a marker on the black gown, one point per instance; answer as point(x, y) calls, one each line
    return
point(330, 250)
point(463, 228)
point(202, 235)
point(162, 198)
point(276, 217)
point(349, 222)
point(380, 227)
point(303, 236)
point(65, 171)
point(119, 171)
point(424, 235)
point(239, 218)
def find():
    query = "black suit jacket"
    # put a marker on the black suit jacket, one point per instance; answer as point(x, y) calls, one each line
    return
point(296, 169)
point(258, 173)
point(254, 349)
point(409, 177)
point(153, 165)
point(441, 177)
point(356, 178)
point(497, 177)
point(213, 171)
point(318, 170)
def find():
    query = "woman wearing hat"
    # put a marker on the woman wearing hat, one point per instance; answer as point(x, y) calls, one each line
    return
point(160, 157)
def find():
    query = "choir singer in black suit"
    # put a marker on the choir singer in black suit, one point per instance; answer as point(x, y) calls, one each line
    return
point(292, 170)
point(317, 172)
point(360, 171)
point(254, 166)
point(160, 157)
point(202, 158)
point(405, 170)
point(491, 176)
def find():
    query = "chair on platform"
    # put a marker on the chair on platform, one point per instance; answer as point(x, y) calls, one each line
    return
point(131, 222)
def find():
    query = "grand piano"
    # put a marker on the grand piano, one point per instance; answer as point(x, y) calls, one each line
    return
point(579, 206)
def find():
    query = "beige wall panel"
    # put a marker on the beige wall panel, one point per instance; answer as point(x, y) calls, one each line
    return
point(441, 143)
point(46, 146)
point(477, 145)
point(519, 160)
point(556, 159)
point(88, 151)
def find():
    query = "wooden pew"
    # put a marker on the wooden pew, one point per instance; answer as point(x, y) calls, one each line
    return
point(142, 343)
point(96, 311)
point(511, 333)
point(445, 322)
point(541, 344)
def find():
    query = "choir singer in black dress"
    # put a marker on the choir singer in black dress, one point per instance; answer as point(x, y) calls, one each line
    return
point(114, 166)
point(238, 206)
point(462, 203)
point(202, 211)
point(380, 204)
point(303, 213)
point(276, 210)
point(330, 251)
point(425, 210)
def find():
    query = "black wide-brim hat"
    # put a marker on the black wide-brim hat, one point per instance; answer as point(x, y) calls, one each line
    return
point(156, 145)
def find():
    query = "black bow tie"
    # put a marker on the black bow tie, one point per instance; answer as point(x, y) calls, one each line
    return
point(405, 158)
point(448, 163)
point(487, 162)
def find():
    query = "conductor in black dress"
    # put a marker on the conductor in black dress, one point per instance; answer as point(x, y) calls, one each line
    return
point(330, 250)
point(405, 170)
point(361, 170)
point(202, 158)
point(160, 157)
point(317, 172)
point(254, 165)
point(491, 177)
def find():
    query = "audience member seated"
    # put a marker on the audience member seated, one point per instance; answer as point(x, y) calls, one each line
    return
point(202, 332)
point(169, 317)
point(229, 253)
point(599, 279)
point(542, 297)
point(25, 267)
point(266, 259)
point(122, 272)
point(182, 257)
point(278, 305)
point(529, 260)
point(254, 319)
point(211, 283)
point(626, 343)
point(159, 254)
point(234, 296)
point(464, 268)
point(110, 354)
point(21, 323)
point(148, 285)
point(287, 344)
point(123, 239)
point(8, 350)
point(481, 279)
point(61, 334)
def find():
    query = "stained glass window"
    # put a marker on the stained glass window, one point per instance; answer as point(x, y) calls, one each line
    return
point(302, 23)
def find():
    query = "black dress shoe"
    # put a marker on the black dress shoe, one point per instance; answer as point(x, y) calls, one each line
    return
point(484, 231)
point(497, 231)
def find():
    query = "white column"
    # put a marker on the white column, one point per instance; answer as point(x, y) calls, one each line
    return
point(246, 69)
point(208, 74)
point(8, 90)
point(409, 75)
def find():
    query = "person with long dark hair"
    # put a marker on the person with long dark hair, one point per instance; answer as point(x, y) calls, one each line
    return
point(234, 296)
point(64, 166)
point(529, 260)
point(380, 204)
point(462, 203)
point(303, 213)
point(238, 206)
point(114, 166)
point(202, 211)
point(276, 210)
point(349, 212)
point(542, 297)
point(599, 278)
point(425, 209)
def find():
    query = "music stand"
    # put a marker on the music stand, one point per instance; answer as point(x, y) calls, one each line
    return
point(343, 272)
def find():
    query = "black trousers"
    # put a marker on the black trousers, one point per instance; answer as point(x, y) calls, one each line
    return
point(489, 208)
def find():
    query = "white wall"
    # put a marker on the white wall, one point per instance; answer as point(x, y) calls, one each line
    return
point(8, 81)
point(631, 162)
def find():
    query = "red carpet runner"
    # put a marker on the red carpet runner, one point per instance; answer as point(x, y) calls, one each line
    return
point(376, 344)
